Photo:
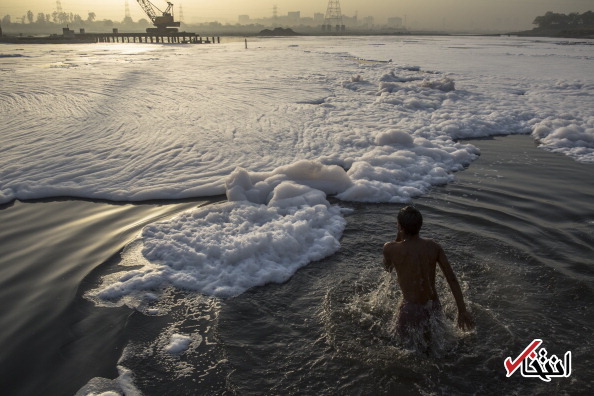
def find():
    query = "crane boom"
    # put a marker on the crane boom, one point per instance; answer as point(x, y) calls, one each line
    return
point(148, 8)
point(161, 19)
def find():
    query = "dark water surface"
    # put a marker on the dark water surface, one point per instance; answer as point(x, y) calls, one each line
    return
point(51, 338)
point(518, 227)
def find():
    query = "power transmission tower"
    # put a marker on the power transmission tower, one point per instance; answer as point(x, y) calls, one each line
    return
point(274, 15)
point(127, 18)
point(333, 17)
point(60, 16)
point(181, 13)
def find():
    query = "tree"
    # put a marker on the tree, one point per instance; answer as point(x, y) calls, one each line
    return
point(588, 18)
point(30, 16)
point(63, 18)
point(573, 18)
point(545, 20)
point(6, 20)
point(91, 16)
point(552, 19)
point(41, 18)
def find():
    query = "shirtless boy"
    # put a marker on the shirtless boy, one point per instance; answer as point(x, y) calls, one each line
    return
point(414, 260)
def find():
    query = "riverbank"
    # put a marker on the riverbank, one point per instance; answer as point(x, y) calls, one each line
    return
point(579, 33)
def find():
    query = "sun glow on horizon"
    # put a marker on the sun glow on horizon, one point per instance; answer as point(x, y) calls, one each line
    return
point(454, 14)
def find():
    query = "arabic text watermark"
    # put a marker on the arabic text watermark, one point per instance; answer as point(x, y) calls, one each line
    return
point(534, 362)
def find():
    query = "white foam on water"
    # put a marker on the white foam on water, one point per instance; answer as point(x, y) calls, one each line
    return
point(277, 138)
point(567, 136)
point(178, 344)
point(113, 125)
point(122, 385)
point(222, 250)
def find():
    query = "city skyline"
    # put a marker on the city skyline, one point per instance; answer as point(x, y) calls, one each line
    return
point(418, 14)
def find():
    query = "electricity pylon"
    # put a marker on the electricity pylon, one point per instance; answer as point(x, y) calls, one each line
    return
point(333, 19)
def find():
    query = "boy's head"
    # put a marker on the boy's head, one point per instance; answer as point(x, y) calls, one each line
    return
point(410, 220)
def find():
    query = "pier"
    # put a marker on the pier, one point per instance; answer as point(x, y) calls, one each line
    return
point(157, 38)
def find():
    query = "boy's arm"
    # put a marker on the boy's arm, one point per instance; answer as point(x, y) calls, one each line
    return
point(465, 320)
point(388, 266)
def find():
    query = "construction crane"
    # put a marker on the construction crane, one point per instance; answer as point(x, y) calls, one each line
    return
point(163, 20)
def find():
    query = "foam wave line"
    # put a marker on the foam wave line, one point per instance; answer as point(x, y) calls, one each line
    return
point(122, 126)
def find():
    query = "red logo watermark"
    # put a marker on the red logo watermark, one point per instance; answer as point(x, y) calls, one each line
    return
point(534, 362)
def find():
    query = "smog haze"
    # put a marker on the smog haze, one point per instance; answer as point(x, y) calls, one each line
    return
point(416, 14)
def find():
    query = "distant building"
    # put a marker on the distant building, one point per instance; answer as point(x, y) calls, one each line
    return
point(395, 22)
point(66, 32)
point(349, 21)
point(367, 21)
point(294, 16)
point(334, 23)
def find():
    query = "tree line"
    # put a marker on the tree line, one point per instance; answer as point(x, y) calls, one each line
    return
point(46, 22)
point(556, 20)
point(60, 18)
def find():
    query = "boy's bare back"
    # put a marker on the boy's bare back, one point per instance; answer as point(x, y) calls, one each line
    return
point(414, 259)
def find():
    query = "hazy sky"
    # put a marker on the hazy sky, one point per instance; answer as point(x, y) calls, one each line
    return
point(418, 13)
